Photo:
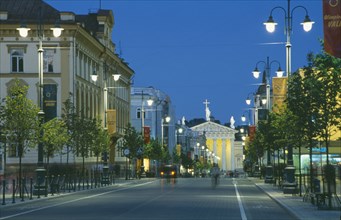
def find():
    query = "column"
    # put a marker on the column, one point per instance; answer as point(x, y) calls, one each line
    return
point(232, 154)
point(223, 149)
point(215, 150)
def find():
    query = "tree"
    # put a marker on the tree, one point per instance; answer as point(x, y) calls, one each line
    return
point(54, 138)
point(84, 134)
point(20, 122)
point(69, 116)
point(132, 140)
point(101, 142)
point(153, 150)
point(327, 75)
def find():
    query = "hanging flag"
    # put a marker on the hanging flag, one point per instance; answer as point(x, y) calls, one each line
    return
point(252, 131)
point(111, 121)
point(332, 27)
point(279, 91)
point(146, 133)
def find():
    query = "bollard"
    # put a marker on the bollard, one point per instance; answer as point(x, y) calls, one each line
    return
point(22, 193)
point(3, 192)
point(31, 188)
point(13, 193)
point(46, 186)
point(52, 185)
point(38, 182)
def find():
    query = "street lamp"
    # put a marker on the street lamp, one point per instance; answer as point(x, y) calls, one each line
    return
point(94, 78)
point(149, 103)
point(163, 121)
point(256, 73)
point(116, 77)
point(289, 185)
point(270, 26)
point(23, 32)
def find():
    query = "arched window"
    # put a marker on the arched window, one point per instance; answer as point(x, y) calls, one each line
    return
point(138, 113)
point(17, 60)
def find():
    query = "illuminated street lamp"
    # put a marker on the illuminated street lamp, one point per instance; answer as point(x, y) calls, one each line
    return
point(256, 73)
point(116, 77)
point(164, 122)
point(270, 26)
point(266, 102)
point(23, 32)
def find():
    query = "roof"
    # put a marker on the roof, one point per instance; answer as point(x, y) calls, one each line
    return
point(28, 11)
point(212, 129)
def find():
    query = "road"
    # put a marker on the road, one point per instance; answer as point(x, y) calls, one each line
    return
point(188, 198)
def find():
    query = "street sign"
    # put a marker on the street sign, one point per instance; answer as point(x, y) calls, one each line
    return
point(126, 152)
point(139, 151)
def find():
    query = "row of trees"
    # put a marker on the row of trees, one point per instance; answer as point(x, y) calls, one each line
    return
point(22, 130)
point(72, 134)
point(312, 112)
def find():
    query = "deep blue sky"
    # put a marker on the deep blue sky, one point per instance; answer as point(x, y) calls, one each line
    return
point(204, 49)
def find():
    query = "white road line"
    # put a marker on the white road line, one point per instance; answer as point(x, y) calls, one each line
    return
point(71, 201)
point(241, 207)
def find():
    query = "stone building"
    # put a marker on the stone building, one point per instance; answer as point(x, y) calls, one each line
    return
point(84, 47)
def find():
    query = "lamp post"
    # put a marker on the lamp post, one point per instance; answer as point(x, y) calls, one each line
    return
point(149, 103)
point(256, 73)
point(289, 186)
point(163, 121)
point(270, 26)
point(23, 32)
point(116, 77)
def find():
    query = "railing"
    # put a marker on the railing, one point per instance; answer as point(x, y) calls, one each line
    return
point(12, 189)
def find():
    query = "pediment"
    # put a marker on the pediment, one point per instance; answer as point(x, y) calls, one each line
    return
point(214, 130)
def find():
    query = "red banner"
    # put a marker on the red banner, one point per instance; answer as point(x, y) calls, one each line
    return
point(332, 27)
point(252, 131)
point(146, 132)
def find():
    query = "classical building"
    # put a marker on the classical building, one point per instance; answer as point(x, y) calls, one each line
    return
point(84, 48)
point(220, 140)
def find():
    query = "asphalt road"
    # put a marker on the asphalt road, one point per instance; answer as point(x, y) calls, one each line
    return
point(188, 198)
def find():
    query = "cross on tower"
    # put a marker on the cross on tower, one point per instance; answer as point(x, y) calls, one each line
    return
point(207, 110)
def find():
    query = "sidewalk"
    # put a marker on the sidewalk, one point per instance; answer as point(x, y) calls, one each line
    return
point(295, 205)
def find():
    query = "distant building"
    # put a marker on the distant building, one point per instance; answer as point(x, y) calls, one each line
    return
point(154, 114)
point(85, 47)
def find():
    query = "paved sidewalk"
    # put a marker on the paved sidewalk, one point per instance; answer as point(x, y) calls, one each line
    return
point(294, 203)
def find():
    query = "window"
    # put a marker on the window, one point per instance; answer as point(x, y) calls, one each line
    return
point(48, 60)
point(138, 113)
point(17, 60)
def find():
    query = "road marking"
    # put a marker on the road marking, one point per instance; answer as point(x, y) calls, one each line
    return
point(71, 201)
point(241, 207)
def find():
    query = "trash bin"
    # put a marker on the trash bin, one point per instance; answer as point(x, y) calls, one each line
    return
point(317, 185)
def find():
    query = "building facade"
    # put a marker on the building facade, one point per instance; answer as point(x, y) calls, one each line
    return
point(84, 47)
point(154, 114)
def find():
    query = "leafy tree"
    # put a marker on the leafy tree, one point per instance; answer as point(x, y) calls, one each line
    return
point(302, 101)
point(328, 75)
point(101, 141)
point(84, 133)
point(132, 140)
point(20, 122)
point(153, 150)
point(69, 116)
point(54, 138)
